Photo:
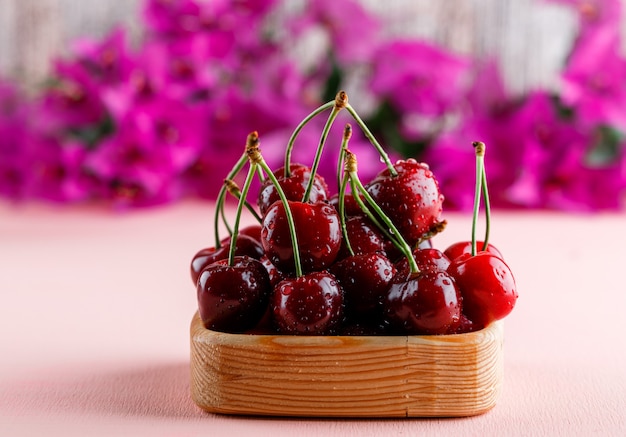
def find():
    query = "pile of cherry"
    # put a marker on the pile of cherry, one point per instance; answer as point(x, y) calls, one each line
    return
point(359, 261)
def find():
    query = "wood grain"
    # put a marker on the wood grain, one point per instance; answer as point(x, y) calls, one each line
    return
point(341, 376)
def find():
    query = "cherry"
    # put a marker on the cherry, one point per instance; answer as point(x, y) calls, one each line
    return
point(351, 207)
point(364, 237)
point(311, 304)
point(319, 235)
point(275, 275)
point(246, 245)
point(426, 303)
point(233, 298)
point(294, 186)
point(426, 259)
point(253, 231)
point(457, 249)
point(365, 281)
point(487, 286)
point(411, 199)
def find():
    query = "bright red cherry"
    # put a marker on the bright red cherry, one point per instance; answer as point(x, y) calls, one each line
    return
point(426, 303)
point(457, 249)
point(253, 231)
point(365, 281)
point(233, 298)
point(487, 286)
point(411, 199)
point(311, 304)
point(246, 245)
point(293, 186)
point(318, 233)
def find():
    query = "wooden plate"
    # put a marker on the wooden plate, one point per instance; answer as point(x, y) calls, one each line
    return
point(344, 376)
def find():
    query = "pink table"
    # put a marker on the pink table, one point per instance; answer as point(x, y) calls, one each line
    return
point(95, 309)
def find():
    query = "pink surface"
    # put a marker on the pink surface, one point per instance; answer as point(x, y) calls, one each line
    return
point(95, 309)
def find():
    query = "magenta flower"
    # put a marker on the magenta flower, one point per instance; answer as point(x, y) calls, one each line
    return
point(593, 80)
point(418, 77)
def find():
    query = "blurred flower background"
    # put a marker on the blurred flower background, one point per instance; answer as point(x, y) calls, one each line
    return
point(132, 122)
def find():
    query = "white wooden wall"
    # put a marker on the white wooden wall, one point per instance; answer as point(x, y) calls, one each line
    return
point(531, 37)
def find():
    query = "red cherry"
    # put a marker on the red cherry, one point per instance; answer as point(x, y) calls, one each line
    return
point(318, 233)
point(411, 199)
point(253, 231)
point(233, 298)
point(365, 281)
point(275, 275)
point(246, 245)
point(311, 304)
point(426, 259)
point(351, 207)
point(364, 237)
point(293, 186)
point(427, 303)
point(487, 286)
point(457, 249)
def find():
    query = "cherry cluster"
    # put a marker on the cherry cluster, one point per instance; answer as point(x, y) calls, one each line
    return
point(356, 262)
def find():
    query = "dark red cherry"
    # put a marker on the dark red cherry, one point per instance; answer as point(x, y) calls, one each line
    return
point(311, 304)
point(365, 281)
point(426, 303)
point(487, 286)
point(457, 249)
point(233, 298)
point(293, 186)
point(364, 237)
point(275, 275)
point(253, 231)
point(411, 199)
point(318, 233)
point(465, 326)
point(246, 245)
point(426, 259)
point(351, 207)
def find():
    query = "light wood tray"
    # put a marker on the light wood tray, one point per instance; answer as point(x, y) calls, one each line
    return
point(344, 376)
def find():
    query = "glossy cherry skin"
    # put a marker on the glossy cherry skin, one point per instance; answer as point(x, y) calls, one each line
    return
point(318, 233)
point(365, 280)
point(487, 286)
point(364, 237)
point(426, 259)
point(293, 186)
point(351, 207)
point(246, 245)
point(311, 304)
point(459, 248)
point(253, 231)
point(411, 199)
point(275, 275)
point(427, 303)
point(233, 298)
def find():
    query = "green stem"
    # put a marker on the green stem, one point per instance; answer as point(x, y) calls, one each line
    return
point(480, 154)
point(372, 139)
point(233, 189)
point(487, 208)
point(347, 134)
point(296, 132)
point(342, 213)
point(219, 203)
point(240, 205)
point(358, 188)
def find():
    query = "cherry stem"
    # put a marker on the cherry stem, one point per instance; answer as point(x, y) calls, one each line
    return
point(393, 233)
point(240, 205)
point(233, 189)
point(255, 157)
point(347, 134)
point(342, 181)
point(219, 203)
point(372, 139)
point(341, 100)
point(479, 149)
point(296, 132)
point(487, 207)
